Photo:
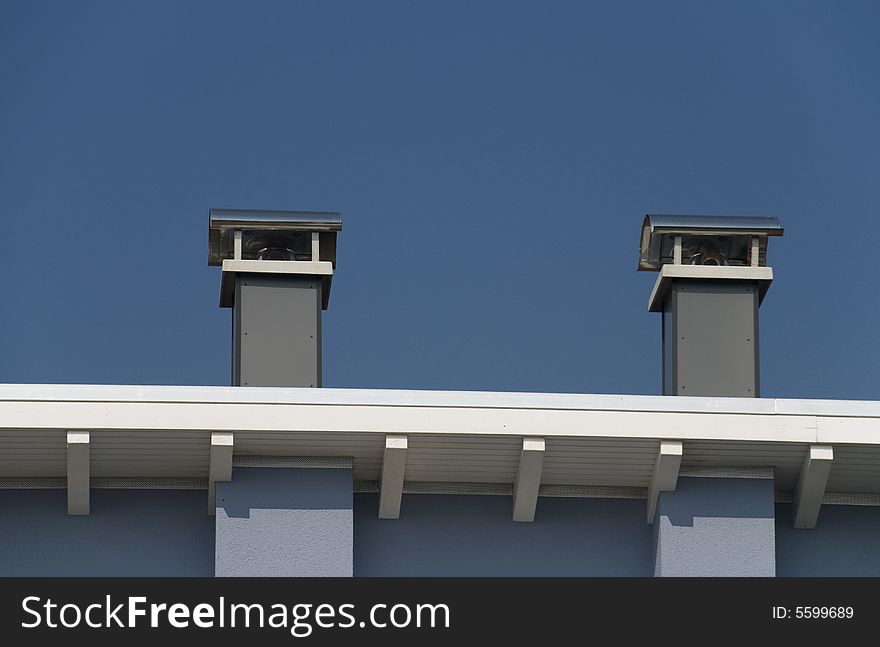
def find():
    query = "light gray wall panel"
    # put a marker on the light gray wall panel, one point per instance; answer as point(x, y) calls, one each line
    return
point(713, 527)
point(294, 522)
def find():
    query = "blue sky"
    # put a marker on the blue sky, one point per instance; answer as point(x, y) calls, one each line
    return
point(492, 162)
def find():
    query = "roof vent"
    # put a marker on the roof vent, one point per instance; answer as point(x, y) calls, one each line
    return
point(713, 276)
point(277, 270)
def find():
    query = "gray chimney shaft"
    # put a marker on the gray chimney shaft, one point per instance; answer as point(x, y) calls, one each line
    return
point(276, 331)
point(710, 339)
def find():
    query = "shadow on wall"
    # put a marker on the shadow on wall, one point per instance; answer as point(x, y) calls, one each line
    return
point(844, 543)
point(446, 535)
point(129, 533)
point(293, 522)
point(734, 498)
point(269, 488)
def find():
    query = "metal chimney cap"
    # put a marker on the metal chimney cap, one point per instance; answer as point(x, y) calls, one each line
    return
point(225, 219)
point(733, 232)
point(222, 222)
point(739, 225)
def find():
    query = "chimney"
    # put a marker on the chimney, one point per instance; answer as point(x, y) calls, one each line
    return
point(277, 269)
point(712, 278)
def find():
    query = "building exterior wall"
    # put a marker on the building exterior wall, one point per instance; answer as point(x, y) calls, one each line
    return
point(449, 535)
point(844, 543)
point(167, 533)
point(716, 527)
point(128, 533)
point(285, 522)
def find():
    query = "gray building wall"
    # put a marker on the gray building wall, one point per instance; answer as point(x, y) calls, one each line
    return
point(447, 535)
point(844, 543)
point(167, 533)
point(128, 533)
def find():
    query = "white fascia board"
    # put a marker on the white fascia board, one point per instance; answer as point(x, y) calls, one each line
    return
point(528, 479)
point(810, 489)
point(78, 472)
point(244, 417)
point(382, 397)
point(408, 398)
point(393, 471)
point(832, 408)
point(847, 431)
point(406, 419)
